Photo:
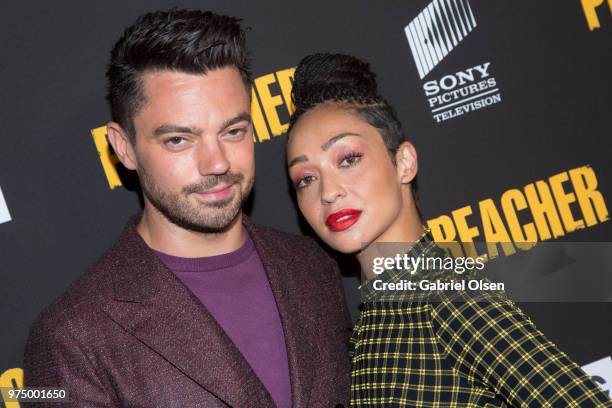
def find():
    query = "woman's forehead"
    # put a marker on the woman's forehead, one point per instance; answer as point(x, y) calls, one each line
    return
point(327, 121)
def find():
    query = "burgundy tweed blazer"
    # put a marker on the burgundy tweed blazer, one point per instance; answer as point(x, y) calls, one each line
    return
point(129, 333)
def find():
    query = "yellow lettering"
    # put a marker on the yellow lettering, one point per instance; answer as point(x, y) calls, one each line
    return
point(589, 6)
point(270, 103)
point(9, 379)
point(107, 157)
point(261, 129)
point(549, 205)
point(444, 234)
point(542, 209)
point(563, 201)
point(585, 185)
point(466, 234)
point(285, 83)
point(524, 237)
point(494, 229)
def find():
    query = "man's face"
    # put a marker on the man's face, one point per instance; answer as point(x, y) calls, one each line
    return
point(194, 147)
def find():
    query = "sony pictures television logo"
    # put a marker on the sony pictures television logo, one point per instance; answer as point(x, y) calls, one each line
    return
point(432, 35)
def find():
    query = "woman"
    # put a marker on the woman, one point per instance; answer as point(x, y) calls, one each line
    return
point(353, 173)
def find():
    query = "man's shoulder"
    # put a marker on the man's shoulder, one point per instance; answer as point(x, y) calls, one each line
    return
point(84, 294)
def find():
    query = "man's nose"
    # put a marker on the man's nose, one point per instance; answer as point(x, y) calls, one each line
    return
point(212, 158)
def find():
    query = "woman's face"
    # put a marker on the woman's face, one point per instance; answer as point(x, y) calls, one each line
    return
point(347, 188)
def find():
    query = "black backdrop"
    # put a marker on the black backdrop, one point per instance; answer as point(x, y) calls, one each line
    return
point(551, 67)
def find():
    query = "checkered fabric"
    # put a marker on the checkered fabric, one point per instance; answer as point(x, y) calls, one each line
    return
point(459, 349)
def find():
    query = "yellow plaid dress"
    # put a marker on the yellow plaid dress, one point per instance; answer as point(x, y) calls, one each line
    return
point(457, 350)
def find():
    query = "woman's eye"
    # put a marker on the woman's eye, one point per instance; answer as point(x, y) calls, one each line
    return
point(350, 159)
point(304, 182)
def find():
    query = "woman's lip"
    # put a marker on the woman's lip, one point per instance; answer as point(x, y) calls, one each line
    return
point(343, 219)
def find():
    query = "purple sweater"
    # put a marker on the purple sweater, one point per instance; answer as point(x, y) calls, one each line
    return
point(234, 288)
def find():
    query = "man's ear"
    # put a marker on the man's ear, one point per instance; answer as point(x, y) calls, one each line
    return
point(120, 140)
point(407, 164)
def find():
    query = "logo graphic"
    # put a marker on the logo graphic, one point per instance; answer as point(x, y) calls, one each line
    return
point(4, 212)
point(432, 35)
point(589, 6)
point(438, 29)
point(601, 372)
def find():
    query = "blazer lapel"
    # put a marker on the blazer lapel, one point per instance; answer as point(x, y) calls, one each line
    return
point(300, 351)
point(155, 307)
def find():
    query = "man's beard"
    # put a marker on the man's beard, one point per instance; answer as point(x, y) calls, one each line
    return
point(213, 217)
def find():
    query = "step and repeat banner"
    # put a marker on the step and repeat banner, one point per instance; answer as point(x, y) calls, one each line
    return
point(507, 104)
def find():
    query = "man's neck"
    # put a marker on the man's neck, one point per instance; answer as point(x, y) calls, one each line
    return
point(164, 236)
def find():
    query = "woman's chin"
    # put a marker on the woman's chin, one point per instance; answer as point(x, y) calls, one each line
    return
point(345, 246)
point(348, 241)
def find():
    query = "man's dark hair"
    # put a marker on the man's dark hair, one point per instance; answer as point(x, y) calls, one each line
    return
point(190, 41)
point(350, 83)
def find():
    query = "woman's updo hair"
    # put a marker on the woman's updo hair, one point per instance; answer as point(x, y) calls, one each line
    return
point(347, 81)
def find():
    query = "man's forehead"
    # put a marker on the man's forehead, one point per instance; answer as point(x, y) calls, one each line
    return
point(166, 83)
point(170, 94)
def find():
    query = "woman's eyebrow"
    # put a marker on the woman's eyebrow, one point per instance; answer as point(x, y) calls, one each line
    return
point(299, 159)
point(325, 146)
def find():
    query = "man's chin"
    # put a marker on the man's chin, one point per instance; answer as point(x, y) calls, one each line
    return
point(211, 227)
point(207, 220)
point(215, 219)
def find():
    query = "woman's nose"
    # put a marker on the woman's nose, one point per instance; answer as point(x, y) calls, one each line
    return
point(331, 190)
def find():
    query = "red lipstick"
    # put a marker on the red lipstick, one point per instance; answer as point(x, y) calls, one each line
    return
point(343, 219)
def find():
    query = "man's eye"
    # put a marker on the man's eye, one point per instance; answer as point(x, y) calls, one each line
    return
point(175, 141)
point(304, 182)
point(350, 159)
point(237, 132)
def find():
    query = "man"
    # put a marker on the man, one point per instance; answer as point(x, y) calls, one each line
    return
point(195, 305)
